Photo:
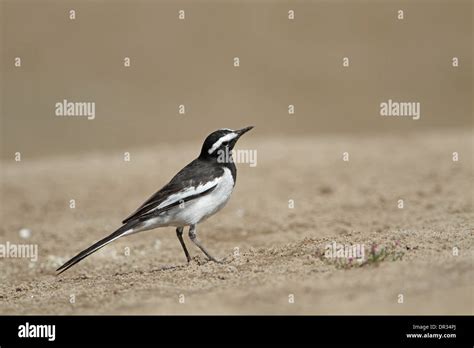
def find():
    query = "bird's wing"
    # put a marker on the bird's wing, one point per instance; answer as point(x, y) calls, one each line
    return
point(185, 186)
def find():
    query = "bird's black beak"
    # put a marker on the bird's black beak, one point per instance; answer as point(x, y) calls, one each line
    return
point(242, 131)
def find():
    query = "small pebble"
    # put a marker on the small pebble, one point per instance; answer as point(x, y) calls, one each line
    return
point(25, 233)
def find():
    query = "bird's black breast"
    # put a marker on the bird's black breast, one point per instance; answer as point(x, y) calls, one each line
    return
point(233, 170)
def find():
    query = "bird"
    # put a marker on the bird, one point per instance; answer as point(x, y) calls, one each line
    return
point(196, 192)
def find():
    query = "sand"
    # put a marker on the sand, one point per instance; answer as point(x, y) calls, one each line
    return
point(274, 256)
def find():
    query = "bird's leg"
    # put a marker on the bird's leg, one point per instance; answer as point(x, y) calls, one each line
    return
point(193, 237)
point(179, 233)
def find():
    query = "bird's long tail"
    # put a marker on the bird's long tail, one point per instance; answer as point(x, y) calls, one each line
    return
point(93, 248)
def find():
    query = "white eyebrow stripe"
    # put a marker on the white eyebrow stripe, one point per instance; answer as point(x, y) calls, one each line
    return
point(218, 143)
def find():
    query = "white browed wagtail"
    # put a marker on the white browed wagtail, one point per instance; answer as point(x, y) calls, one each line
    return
point(199, 190)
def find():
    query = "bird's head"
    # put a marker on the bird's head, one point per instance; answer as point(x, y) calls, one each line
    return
point(221, 140)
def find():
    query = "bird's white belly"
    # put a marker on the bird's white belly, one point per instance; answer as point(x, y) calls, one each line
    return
point(199, 209)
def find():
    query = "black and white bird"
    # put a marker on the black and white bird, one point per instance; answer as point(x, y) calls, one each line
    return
point(199, 190)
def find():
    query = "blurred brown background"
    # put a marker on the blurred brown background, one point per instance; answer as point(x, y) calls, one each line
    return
point(190, 62)
point(299, 156)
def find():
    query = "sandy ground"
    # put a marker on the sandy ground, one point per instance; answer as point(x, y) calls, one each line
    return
point(281, 250)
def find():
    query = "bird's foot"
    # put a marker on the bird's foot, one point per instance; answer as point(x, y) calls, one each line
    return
point(200, 260)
